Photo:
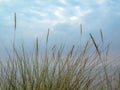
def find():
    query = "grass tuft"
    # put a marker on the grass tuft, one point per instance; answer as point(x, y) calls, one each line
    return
point(76, 70)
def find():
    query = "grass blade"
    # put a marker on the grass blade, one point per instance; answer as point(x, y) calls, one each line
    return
point(101, 35)
point(96, 46)
point(80, 29)
point(15, 21)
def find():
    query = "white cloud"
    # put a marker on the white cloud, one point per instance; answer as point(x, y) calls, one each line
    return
point(39, 1)
point(38, 12)
point(101, 1)
point(72, 18)
point(59, 13)
point(63, 14)
point(79, 12)
point(1, 1)
point(63, 1)
point(34, 10)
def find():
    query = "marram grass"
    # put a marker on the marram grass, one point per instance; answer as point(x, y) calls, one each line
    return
point(81, 71)
point(77, 70)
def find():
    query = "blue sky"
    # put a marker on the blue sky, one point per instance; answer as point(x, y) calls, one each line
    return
point(63, 17)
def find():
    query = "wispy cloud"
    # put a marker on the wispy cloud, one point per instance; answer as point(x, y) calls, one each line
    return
point(63, 1)
point(101, 1)
point(59, 13)
point(81, 12)
point(1, 1)
point(38, 13)
point(73, 18)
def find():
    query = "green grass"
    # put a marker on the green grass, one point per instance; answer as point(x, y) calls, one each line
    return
point(83, 69)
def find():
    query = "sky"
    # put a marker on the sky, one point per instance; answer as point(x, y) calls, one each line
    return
point(63, 18)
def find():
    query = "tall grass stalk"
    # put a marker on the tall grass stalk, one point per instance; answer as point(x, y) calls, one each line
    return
point(14, 30)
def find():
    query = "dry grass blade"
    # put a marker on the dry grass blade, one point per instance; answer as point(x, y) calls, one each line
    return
point(15, 21)
point(71, 51)
point(54, 47)
point(107, 50)
point(81, 29)
point(14, 30)
point(37, 49)
point(86, 46)
point(95, 45)
point(36, 55)
point(47, 36)
point(46, 55)
point(101, 34)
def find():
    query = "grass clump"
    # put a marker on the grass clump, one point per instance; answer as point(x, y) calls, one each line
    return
point(74, 71)
point(84, 69)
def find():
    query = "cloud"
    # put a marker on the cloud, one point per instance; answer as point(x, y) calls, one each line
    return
point(81, 12)
point(101, 1)
point(63, 1)
point(49, 16)
point(1, 1)
point(77, 14)
point(72, 18)
point(39, 1)
point(70, 14)
point(59, 13)
point(37, 12)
